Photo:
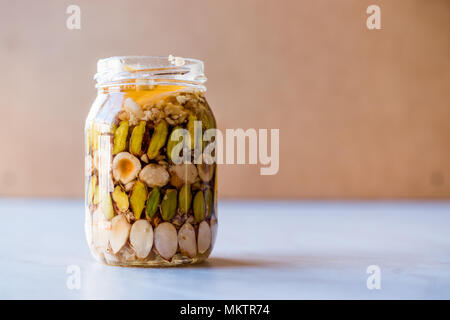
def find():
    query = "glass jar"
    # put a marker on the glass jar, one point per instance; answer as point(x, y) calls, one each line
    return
point(145, 207)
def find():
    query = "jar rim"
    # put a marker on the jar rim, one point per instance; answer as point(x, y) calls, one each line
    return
point(155, 69)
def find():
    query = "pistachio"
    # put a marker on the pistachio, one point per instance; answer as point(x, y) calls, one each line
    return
point(154, 175)
point(190, 127)
point(120, 198)
point(137, 135)
point(93, 137)
point(125, 167)
point(158, 139)
point(173, 141)
point(186, 240)
point(208, 202)
point(204, 237)
point(208, 121)
point(107, 206)
point(92, 187)
point(120, 137)
point(137, 198)
point(166, 240)
point(185, 198)
point(182, 174)
point(169, 204)
point(199, 206)
point(141, 238)
point(96, 199)
point(205, 171)
point(120, 229)
point(153, 202)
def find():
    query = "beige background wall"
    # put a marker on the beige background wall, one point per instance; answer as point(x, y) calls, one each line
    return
point(362, 114)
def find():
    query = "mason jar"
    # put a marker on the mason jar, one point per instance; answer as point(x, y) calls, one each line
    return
point(150, 187)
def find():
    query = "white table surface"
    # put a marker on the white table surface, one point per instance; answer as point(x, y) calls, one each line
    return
point(264, 250)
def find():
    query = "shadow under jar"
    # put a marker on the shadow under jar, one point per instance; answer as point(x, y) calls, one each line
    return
point(143, 206)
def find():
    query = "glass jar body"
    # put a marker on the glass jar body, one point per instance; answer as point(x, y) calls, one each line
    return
point(142, 208)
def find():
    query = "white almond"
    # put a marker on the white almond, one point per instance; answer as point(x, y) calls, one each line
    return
point(154, 175)
point(186, 240)
point(166, 241)
point(120, 229)
point(204, 237)
point(141, 238)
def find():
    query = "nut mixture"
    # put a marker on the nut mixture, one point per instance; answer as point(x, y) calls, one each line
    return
point(142, 208)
